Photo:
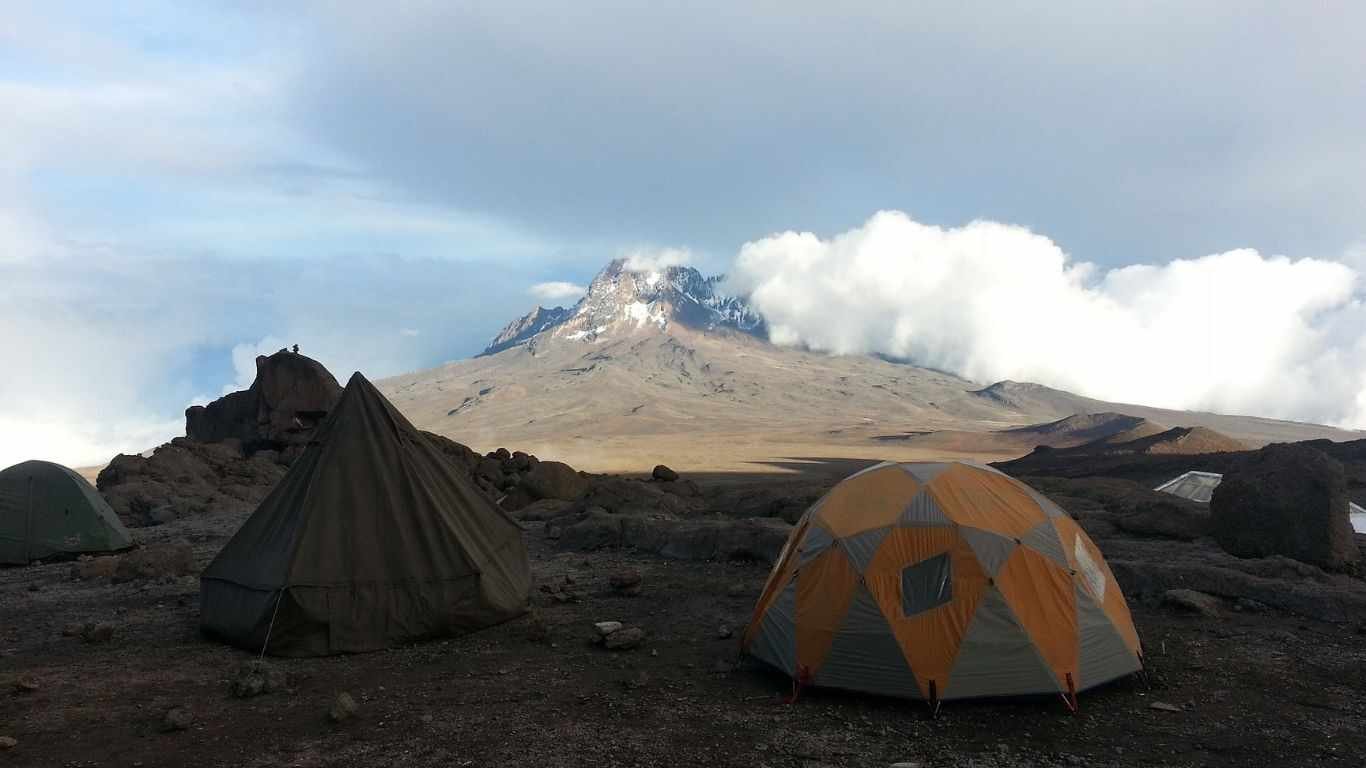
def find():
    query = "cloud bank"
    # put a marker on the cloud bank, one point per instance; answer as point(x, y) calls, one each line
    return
point(1237, 332)
point(557, 291)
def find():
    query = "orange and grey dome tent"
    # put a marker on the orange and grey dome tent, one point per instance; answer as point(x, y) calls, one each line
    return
point(373, 538)
point(940, 581)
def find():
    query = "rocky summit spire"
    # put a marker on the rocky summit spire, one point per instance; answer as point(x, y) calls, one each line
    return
point(622, 299)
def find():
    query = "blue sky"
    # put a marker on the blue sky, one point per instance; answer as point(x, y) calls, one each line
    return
point(384, 186)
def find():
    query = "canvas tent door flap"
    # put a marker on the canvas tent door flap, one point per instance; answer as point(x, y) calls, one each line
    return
point(47, 509)
point(372, 539)
point(940, 581)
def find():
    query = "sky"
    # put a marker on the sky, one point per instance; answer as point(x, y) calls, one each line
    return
point(183, 185)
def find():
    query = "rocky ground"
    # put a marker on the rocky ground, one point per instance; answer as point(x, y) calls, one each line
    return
point(112, 671)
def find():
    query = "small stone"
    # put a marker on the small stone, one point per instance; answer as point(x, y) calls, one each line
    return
point(723, 667)
point(625, 639)
point(1248, 605)
point(626, 581)
point(724, 632)
point(257, 677)
point(26, 684)
point(664, 474)
point(343, 708)
point(654, 653)
point(426, 719)
point(177, 719)
point(98, 633)
point(1192, 601)
point(8, 742)
point(73, 629)
point(1162, 706)
point(737, 590)
point(605, 628)
point(640, 680)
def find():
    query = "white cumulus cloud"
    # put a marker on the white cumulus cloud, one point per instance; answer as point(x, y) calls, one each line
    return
point(655, 259)
point(557, 291)
point(1236, 331)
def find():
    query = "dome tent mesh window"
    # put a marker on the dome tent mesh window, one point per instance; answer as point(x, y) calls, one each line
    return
point(927, 584)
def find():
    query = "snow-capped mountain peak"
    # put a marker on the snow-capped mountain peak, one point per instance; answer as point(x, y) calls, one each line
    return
point(624, 300)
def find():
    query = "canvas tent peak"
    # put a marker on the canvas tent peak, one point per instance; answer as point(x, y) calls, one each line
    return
point(373, 538)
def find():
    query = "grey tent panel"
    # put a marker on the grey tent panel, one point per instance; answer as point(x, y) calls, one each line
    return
point(996, 657)
point(1104, 656)
point(992, 549)
point(926, 585)
point(1043, 538)
point(922, 511)
point(814, 543)
point(861, 547)
point(865, 656)
point(926, 471)
point(776, 641)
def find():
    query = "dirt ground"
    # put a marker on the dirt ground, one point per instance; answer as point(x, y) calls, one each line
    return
point(1252, 689)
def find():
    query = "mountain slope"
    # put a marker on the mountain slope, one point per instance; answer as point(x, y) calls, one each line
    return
point(655, 365)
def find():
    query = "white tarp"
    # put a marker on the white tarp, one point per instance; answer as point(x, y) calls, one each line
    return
point(1199, 486)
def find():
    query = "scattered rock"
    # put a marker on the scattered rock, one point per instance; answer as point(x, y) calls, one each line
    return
point(94, 568)
point(1162, 706)
point(539, 511)
point(625, 582)
point(640, 680)
point(25, 684)
point(537, 631)
point(605, 628)
point(1192, 601)
point(554, 480)
point(1248, 605)
point(343, 708)
point(737, 590)
point(624, 639)
point(1150, 513)
point(8, 742)
point(724, 632)
point(664, 474)
point(154, 561)
point(177, 719)
point(255, 677)
point(1288, 499)
point(73, 629)
point(102, 632)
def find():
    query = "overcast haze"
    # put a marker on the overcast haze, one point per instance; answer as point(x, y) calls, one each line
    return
point(388, 187)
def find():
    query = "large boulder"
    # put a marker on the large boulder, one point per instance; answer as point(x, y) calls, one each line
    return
point(289, 398)
point(553, 480)
point(1286, 499)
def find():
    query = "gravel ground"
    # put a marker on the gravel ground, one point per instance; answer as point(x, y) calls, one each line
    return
point(1249, 689)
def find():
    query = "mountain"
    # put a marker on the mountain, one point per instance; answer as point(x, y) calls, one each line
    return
point(663, 366)
point(624, 299)
point(521, 330)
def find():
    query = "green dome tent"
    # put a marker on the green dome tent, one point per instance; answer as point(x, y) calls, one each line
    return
point(47, 509)
point(372, 539)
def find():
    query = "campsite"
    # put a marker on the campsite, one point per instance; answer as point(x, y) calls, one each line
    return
point(630, 652)
point(497, 384)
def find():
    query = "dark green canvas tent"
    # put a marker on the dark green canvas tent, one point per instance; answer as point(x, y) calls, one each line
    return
point(372, 539)
point(47, 509)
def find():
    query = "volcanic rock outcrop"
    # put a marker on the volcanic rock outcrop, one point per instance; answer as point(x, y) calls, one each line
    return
point(290, 396)
point(1286, 500)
